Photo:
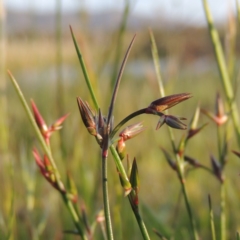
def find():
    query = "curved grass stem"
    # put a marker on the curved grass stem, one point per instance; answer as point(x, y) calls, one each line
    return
point(47, 150)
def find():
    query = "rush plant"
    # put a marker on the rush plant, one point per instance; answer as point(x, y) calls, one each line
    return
point(104, 130)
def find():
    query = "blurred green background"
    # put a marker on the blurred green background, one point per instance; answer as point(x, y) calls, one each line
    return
point(38, 50)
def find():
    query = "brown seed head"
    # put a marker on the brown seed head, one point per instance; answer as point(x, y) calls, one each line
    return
point(164, 103)
point(87, 115)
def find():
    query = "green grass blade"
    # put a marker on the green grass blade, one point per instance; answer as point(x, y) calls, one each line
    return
point(85, 73)
point(32, 121)
point(117, 83)
point(119, 41)
point(223, 70)
point(156, 63)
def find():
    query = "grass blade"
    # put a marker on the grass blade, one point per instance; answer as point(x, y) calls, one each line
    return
point(118, 81)
point(119, 41)
point(223, 70)
point(156, 63)
point(80, 58)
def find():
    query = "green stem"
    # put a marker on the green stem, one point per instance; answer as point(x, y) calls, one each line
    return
point(132, 115)
point(211, 219)
point(127, 186)
point(223, 210)
point(180, 164)
point(157, 64)
point(105, 192)
point(74, 215)
point(237, 236)
point(222, 66)
point(194, 232)
point(140, 222)
point(105, 185)
point(122, 172)
point(34, 125)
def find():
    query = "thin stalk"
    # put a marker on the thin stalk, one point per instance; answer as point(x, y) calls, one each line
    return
point(180, 162)
point(122, 172)
point(193, 227)
point(47, 150)
point(106, 197)
point(222, 66)
point(138, 217)
point(156, 62)
point(238, 236)
point(125, 120)
point(106, 145)
point(34, 125)
point(74, 215)
point(141, 223)
point(187, 203)
point(160, 80)
point(211, 219)
point(223, 211)
point(85, 73)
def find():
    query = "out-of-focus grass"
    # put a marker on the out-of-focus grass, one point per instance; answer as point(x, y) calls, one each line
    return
point(32, 62)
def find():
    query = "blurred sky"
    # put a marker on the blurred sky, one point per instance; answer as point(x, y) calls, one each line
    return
point(190, 11)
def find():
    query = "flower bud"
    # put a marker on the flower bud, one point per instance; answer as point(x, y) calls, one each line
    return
point(134, 180)
point(121, 148)
point(131, 131)
point(167, 102)
point(219, 117)
point(58, 124)
point(39, 119)
point(87, 115)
